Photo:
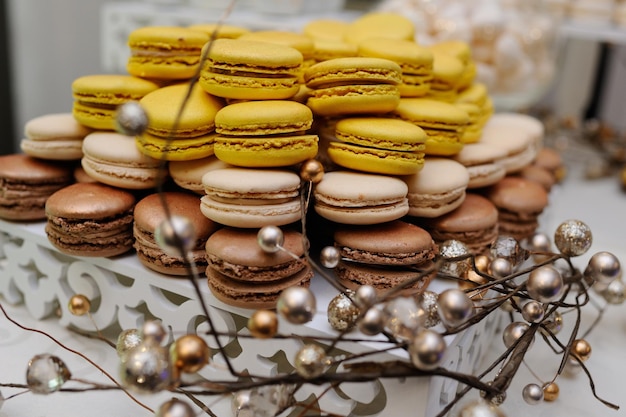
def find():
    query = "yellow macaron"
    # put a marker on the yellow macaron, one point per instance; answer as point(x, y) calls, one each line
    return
point(265, 133)
point(220, 31)
point(251, 70)
point(380, 25)
point(416, 62)
point(165, 52)
point(353, 85)
point(443, 122)
point(378, 145)
point(96, 97)
point(174, 138)
point(447, 75)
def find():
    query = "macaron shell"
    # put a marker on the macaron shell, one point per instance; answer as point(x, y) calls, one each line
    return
point(54, 127)
point(438, 188)
point(352, 70)
point(393, 243)
point(235, 252)
point(354, 275)
point(249, 88)
point(357, 198)
point(475, 223)
point(57, 150)
point(189, 149)
point(379, 25)
point(267, 117)
point(89, 201)
point(428, 113)
point(111, 89)
point(326, 29)
point(165, 52)
point(381, 133)
point(517, 144)
point(518, 195)
point(163, 107)
point(95, 117)
point(268, 152)
point(251, 216)
point(242, 183)
point(253, 295)
point(377, 161)
point(354, 99)
point(113, 159)
point(188, 174)
point(26, 183)
point(220, 31)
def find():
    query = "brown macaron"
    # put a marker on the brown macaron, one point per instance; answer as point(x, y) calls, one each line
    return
point(242, 274)
point(550, 159)
point(26, 183)
point(519, 201)
point(90, 219)
point(150, 214)
point(384, 255)
point(474, 222)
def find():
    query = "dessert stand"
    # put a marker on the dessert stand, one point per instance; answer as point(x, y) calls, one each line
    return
point(124, 293)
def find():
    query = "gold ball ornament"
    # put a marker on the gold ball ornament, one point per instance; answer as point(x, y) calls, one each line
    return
point(622, 176)
point(311, 361)
point(263, 324)
point(482, 263)
point(573, 238)
point(342, 312)
point(581, 349)
point(312, 170)
point(190, 353)
point(550, 391)
point(79, 305)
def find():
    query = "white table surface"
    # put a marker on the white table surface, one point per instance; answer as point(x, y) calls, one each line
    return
point(599, 203)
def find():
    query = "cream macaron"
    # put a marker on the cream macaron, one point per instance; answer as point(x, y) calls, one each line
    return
point(438, 188)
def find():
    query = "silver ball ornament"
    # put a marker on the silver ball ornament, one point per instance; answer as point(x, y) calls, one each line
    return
point(46, 374)
point(603, 267)
point(176, 235)
point(545, 284)
point(500, 267)
point(311, 361)
point(127, 340)
point(365, 296)
point(449, 251)
point(146, 369)
point(152, 332)
point(175, 408)
point(507, 247)
point(539, 242)
point(131, 119)
point(532, 394)
point(427, 349)
point(573, 238)
point(512, 333)
point(533, 311)
point(342, 312)
point(454, 307)
point(403, 315)
point(270, 239)
point(372, 322)
point(330, 257)
point(428, 301)
point(297, 305)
